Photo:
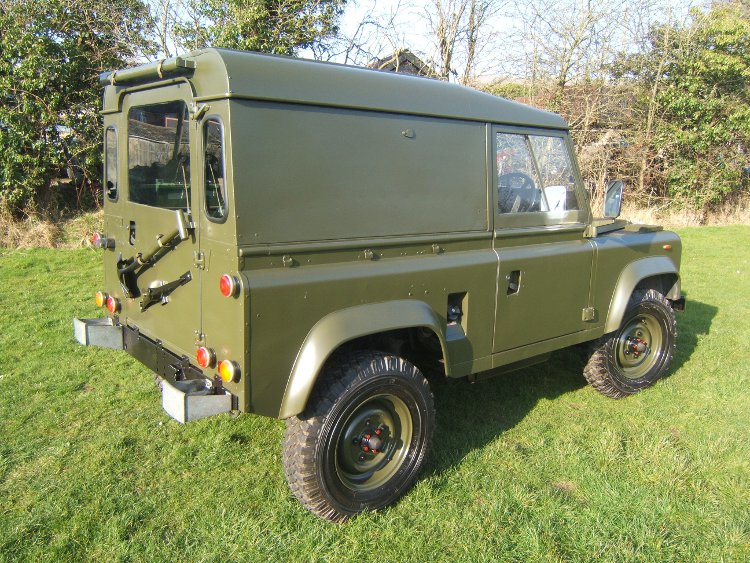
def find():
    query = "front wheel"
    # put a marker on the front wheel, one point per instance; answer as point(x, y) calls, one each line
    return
point(639, 353)
point(363, 438)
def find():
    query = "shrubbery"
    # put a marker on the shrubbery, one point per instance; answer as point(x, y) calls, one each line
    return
point(671, 117)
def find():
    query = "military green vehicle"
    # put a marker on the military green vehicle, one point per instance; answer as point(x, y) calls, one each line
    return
point(306, 241)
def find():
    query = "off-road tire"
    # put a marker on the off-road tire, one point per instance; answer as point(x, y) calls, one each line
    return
point(614, 367)
point(324, 456)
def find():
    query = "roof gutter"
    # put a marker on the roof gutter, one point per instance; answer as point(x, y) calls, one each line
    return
point(165, 68)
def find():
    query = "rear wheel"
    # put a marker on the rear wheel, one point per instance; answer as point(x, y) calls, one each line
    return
point(639, 353)
point(363, 438)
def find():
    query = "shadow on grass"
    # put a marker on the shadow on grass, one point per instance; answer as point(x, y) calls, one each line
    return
point(472, 415)
point(693, 322)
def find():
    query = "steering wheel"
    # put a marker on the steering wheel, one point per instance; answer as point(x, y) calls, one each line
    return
point(517, 193)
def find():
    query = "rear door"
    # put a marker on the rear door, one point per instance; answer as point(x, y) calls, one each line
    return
point(158, 251)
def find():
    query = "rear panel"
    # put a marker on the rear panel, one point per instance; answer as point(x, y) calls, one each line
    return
point(169, 173)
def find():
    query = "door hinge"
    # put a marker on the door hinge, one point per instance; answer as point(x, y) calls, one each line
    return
point(199, 259)
point(589, 314)
point(200, 338)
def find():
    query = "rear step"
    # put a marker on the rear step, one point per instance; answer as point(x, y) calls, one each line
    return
point(190, 399)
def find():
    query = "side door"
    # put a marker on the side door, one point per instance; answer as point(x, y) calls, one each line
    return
point(159, 246)
point(540, 217)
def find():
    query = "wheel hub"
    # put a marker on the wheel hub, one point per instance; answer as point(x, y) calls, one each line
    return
point(374, 442)
point(639, 345)
point(636, 346)
point(371, 440)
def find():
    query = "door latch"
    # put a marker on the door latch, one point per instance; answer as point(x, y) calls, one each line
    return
point(199, 259)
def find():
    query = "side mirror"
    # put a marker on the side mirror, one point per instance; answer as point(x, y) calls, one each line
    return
point(613, 199)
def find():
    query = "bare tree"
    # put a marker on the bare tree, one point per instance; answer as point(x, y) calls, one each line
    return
point(459, 31)
point(376, 34)
point(477, 34)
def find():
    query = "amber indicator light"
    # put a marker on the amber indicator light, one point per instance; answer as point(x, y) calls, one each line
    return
point(100, 298)
point(228, 371)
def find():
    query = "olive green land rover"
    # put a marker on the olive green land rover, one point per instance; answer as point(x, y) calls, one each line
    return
point(308, 241)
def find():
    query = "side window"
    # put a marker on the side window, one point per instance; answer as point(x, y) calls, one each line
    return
point(216, 200)
point(556, 172)
point(517, 181)
point(159, 155)
point(110, 163)
point(534, 174)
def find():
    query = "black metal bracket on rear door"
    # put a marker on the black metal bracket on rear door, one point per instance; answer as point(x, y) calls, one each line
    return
point(128, 269)
point(158, 294)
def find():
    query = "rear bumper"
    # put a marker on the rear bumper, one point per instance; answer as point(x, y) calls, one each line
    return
point(157, 358)
point(186, 393)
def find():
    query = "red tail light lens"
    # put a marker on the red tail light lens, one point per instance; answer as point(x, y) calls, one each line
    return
point(100, 240)
point(100, 298)
point(113, 305)
point(229, 371)
point(228, 285)
point(205, 357)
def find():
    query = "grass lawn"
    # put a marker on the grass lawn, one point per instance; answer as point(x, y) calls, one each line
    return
point(533, 465)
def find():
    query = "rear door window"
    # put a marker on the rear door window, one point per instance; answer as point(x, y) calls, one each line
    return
point(159, 155)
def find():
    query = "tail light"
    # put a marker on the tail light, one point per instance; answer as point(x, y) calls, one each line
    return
point(113, 304)
point(205, 357)
point(100, 240)
point(228, 285)
point(100, 298)
point(229, 371)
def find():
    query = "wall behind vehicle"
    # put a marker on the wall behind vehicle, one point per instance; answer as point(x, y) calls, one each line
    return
point(311, 174)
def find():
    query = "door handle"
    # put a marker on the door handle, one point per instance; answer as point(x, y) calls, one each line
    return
point(514, 282)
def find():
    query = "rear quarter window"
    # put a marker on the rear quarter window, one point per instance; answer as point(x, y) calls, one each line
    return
point(215, 177)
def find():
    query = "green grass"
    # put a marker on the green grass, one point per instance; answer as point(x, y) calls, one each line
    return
point(530, 466)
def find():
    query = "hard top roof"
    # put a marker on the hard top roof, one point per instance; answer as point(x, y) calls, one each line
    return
point(225, 73)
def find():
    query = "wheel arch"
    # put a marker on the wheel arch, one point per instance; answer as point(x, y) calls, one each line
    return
point(346, 325)
point(655, 272)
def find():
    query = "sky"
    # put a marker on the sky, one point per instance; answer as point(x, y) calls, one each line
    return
point(410, 29)
point(505, 42)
